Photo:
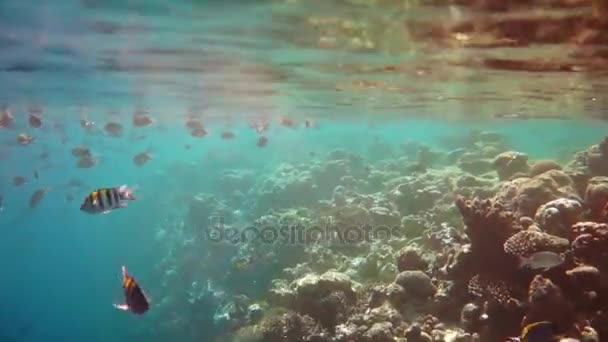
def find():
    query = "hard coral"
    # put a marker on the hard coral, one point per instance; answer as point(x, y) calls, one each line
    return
point(543, 166)
point(590, 242)
point(497, 290)
point(593, 161)
point(547, 303)
point(557, 216)
point(291, 327)
point(326, 297)
point(509, 163)
point(526, 195)
point(596, 196)
point(528, 242)
point(488, 226)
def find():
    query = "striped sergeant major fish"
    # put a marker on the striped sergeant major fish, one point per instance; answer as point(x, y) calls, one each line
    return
point(102, 201)
point(136, 300)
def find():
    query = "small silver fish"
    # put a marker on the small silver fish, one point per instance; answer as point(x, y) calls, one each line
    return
point(541, 260)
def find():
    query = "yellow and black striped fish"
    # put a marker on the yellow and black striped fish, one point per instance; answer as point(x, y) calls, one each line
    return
point(135, 299)
point(538, 332)
point(106, 199)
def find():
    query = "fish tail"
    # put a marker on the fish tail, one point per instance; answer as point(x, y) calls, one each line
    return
point(521, 262)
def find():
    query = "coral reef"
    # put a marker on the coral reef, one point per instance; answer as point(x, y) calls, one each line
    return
point(388, 252)
point(510, 163)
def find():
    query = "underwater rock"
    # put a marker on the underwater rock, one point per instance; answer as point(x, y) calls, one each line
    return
point(416, 283)
point(326, 298)
point(488, 225)
point(339, 196)
point(470, 156)
point(585, 277)
point(509, 163)
point(471, 186)
point(476, 167)
point(384, 217)
point(396, 294)
point(340, 154)
point(469, 316)
point(597, 158)
point(526, 195)
point(460, 262)
point(347, 332)
point(488, 137)
point(292, 327)
point(415, 196)
point(379, 332)
point(547, 303)
point(593, 161)
point(590, 242)
point(557, 216)
point(387, 272)
point(288, 187)
point(415, 334)
point(207, 209)
point(596, 196)
point(542, 166)
point(454, 155)
point(457, 336)
point(338, 165)
point(348, 216)
point(254, 313)
point(383, 313)
point(409, 259)
point(280, 294)
point(588, 334)
point(237, 180)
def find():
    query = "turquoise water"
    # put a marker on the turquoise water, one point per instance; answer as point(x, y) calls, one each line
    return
point(61, 266)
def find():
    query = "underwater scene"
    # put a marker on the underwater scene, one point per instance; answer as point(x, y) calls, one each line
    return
point(304, 170)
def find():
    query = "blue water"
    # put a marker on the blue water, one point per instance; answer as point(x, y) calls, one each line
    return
point(61, 267)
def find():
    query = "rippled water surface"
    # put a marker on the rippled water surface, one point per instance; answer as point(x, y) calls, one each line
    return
point(328, 58)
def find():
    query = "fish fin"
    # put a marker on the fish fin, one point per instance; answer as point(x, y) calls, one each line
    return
point(123, 204)
point(521, 262)
point(125, 274)
point(105, 212)
point(123, 307)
